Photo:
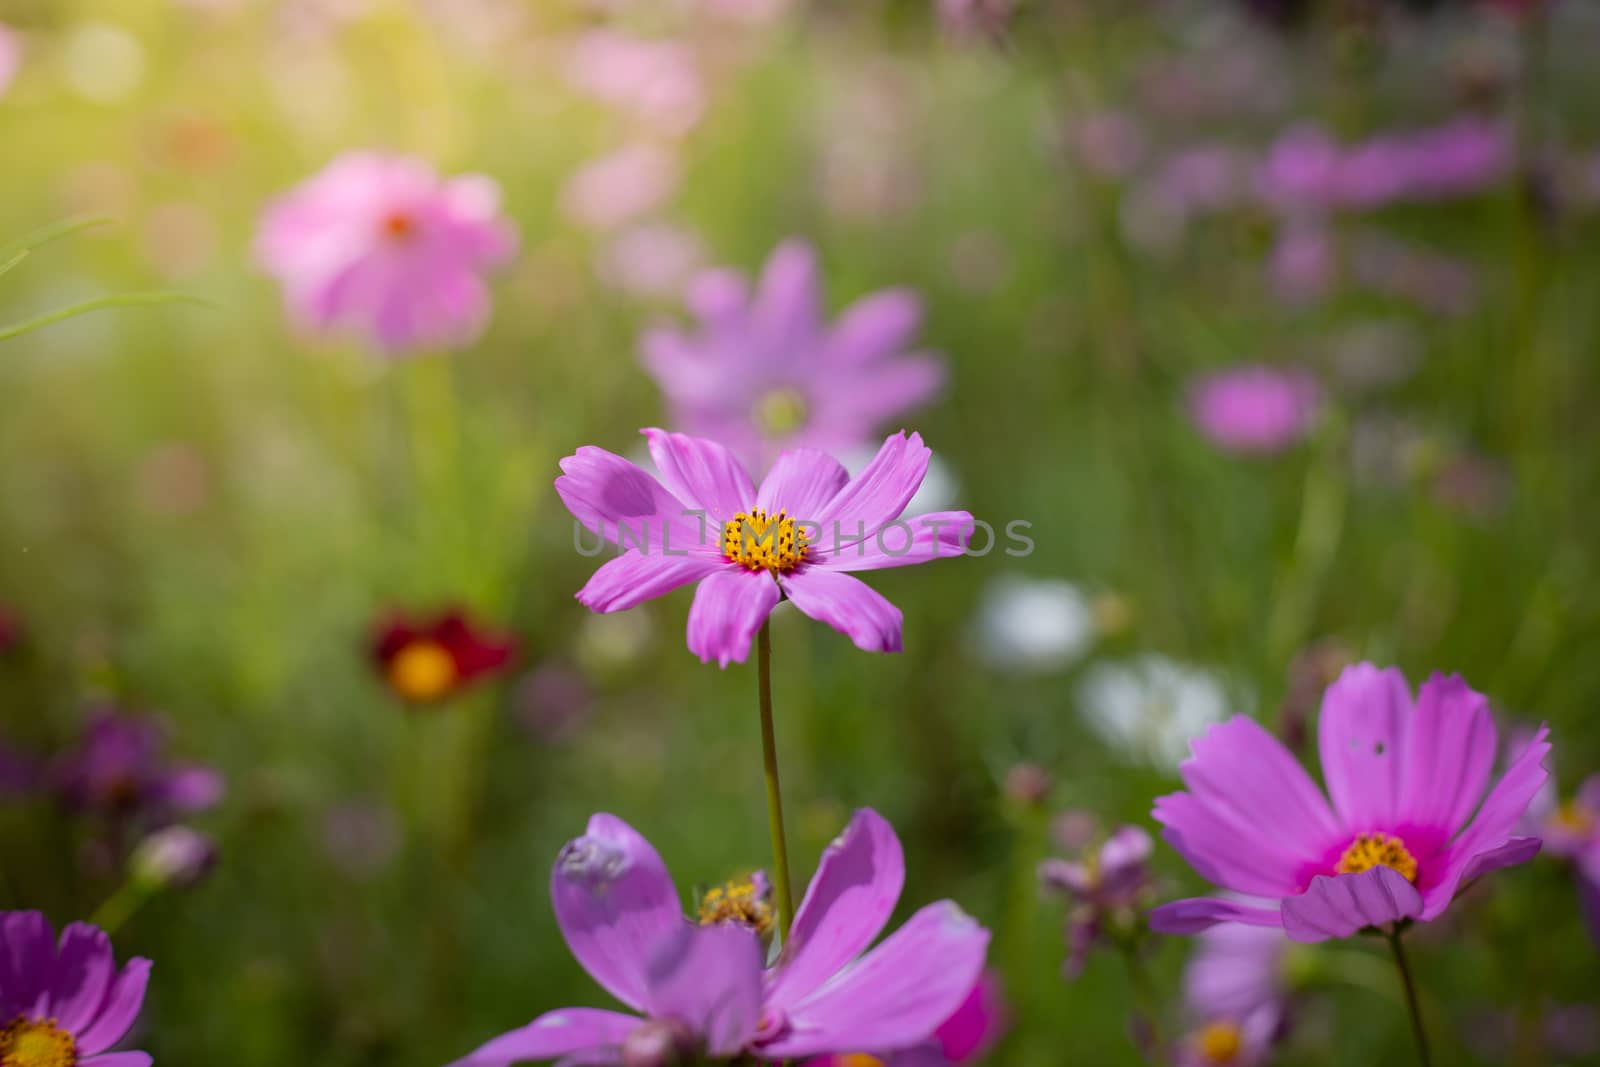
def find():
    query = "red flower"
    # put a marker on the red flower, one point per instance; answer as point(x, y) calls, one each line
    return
point(427, 660)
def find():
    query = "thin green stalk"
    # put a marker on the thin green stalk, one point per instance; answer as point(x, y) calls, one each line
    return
point(769, 755)
point(120, 906)
point(97, 304)
point(1146, 1005)
point(1412, 1004)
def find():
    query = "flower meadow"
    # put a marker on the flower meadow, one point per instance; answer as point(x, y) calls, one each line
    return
point(919, 533)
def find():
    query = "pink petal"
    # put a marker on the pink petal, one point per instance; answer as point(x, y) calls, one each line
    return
point(1341, 905)
point(119, 1059)
point(604, 492)
point(120, 1009)
point(878, 325)
point(27, 959)
point(880, 393)
point(1245, 773)
point(82, 973)
point(729, 607)
point(615, 904)
point(801, 482)
point(558, 1033)
point(701, 473)
point(975, 1026)
point(634, 577)
point(852, 895)
point(898, 993)
point(1449, 754)
point(1201, 913)
point(709, 977)
point(1366, 715)
point(848, 605)
point(1494, 825)
point(1227, 849)
point(787, 303)
point(882, 489)
point(901, 543)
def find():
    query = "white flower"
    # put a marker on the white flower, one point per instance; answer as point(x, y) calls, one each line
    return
point(1152, 707)
point(1030, 624)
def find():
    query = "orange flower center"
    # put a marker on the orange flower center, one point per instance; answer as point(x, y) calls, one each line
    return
point(399, 226)
point(28, 1042)
point(758, 541)
point(422, 671)
point(1219, 1042)
point(1378, 850)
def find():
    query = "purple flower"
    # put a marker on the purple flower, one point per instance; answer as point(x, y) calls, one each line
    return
point(1255, 408)
point(1398, 842)
point(1233, 992)
point(1571, 831)
point(65, 1003)
point(765, 371)
point(174, 856)
point(656, 81)
point(701, 986)
point(1105, 887)
point(381, 246)
point(966, 1037)
point(120, 769)
point(796, 538)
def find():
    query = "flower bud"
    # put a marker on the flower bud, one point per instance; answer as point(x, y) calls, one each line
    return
point(176, 857)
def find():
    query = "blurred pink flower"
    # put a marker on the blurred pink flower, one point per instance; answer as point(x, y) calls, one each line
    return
point(1235, 994)
point(653, 259)
point(656, 81)
point(765, 370)
point(1109, 144)
point(616, 188)
point(1303, 264)
point(10, 56)
point(1255, 408)
point(382, 246)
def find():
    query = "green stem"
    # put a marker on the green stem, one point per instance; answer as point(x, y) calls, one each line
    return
point(1412, 1004)
point(769, 755)
point(1146, 1004)
point(120, 906)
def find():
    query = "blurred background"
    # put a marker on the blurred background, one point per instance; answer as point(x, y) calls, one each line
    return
point(1276, 321)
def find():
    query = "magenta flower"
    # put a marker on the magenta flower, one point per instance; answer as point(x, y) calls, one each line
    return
point(1400, 838)
point(1234, 996)
point(700, 987)
point(1105, 888)
point(765, 371)
point(1255, 409)
point(65, 1003)
point(380, 246)
point(702, 520)
point(1571, 831)
point(120, 769)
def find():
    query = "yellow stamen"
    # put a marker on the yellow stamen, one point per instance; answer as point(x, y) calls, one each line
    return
point(399, 227)
point(781, 411)
point(1378, 850)
point(1574, 819)
point(28, 1042)
point(737, 901)
point(857, 1059)
point(422, 670)
point(1220, 1042)
point(758, 541)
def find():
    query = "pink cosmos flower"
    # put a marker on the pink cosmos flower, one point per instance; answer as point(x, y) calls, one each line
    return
point(1234, 996)
point(701, 519)
point(382, 246)
point(621, 186)
point(656, 81)
point(1256, 408)
point(701, 987)
point(1571, 831)
point(65, 1003)
point(1400, 839)
point(765, 371)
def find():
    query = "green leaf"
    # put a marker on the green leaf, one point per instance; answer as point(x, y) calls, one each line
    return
point(15, 252)
point(97, 304)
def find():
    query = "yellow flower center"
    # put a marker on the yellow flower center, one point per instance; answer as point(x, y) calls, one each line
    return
point(1220, 1042)
point(422, 670)
point(781, 411)
point(857, 1059)
point(398, 226)
point(28, 1042)
point(1572, 818)
point(1378, 850)
point(758, 541)
point(737, 901)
